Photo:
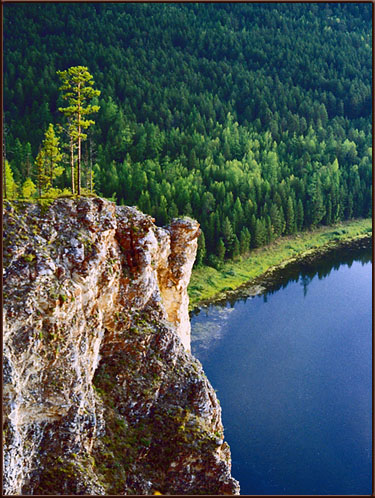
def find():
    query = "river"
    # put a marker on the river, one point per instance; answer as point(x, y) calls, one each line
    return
point(292, 369)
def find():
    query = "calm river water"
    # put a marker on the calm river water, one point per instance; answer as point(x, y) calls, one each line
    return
point(292, 370)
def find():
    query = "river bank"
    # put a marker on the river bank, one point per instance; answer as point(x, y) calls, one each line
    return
point(250, 275)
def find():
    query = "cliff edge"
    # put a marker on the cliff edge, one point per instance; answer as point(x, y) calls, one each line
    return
point(101, 393)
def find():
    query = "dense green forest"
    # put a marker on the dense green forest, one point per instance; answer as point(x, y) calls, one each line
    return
point(254, 119)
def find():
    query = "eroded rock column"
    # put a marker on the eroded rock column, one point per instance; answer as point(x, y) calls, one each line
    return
point(174, 276)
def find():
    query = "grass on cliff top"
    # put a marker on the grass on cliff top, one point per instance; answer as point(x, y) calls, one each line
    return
point(207, 282)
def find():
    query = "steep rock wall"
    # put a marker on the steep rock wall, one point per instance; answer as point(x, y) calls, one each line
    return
point(101, 394)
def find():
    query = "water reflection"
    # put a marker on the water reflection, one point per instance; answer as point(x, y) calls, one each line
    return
point(304, 272)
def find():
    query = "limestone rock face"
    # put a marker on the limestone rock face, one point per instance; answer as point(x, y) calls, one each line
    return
point(101, 393)
point(174, 277)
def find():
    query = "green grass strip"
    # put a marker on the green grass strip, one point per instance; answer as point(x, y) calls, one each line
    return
point(207, 283)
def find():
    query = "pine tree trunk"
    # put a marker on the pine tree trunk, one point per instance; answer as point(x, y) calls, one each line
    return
point(90, 149)
point(87, 167)
point(51, 171)
point(79, 143)
point(79, 164)
point(72, 163)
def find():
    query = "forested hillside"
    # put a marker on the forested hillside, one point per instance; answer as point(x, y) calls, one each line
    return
point(255, 119)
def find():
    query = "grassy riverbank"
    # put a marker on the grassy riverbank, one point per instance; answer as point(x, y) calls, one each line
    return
point(208, 283)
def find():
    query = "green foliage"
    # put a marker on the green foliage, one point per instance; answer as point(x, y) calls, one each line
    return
point(254, 119)
point(28, 189)
point(11, 186)
point(201, 251)
point(77, 85)
point(220, 250)
point(245, 239)
point(43, 178)
point(290, 217)
point(48, 161)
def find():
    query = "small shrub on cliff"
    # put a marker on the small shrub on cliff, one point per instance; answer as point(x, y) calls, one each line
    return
point(29, 257)
point(28, 189)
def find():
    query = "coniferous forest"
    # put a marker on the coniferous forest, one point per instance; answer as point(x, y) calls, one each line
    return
point(255, 119)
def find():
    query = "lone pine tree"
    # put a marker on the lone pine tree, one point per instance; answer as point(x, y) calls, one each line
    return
point(78, 90)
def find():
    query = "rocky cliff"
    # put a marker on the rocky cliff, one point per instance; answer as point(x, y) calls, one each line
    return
point(101, 393)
